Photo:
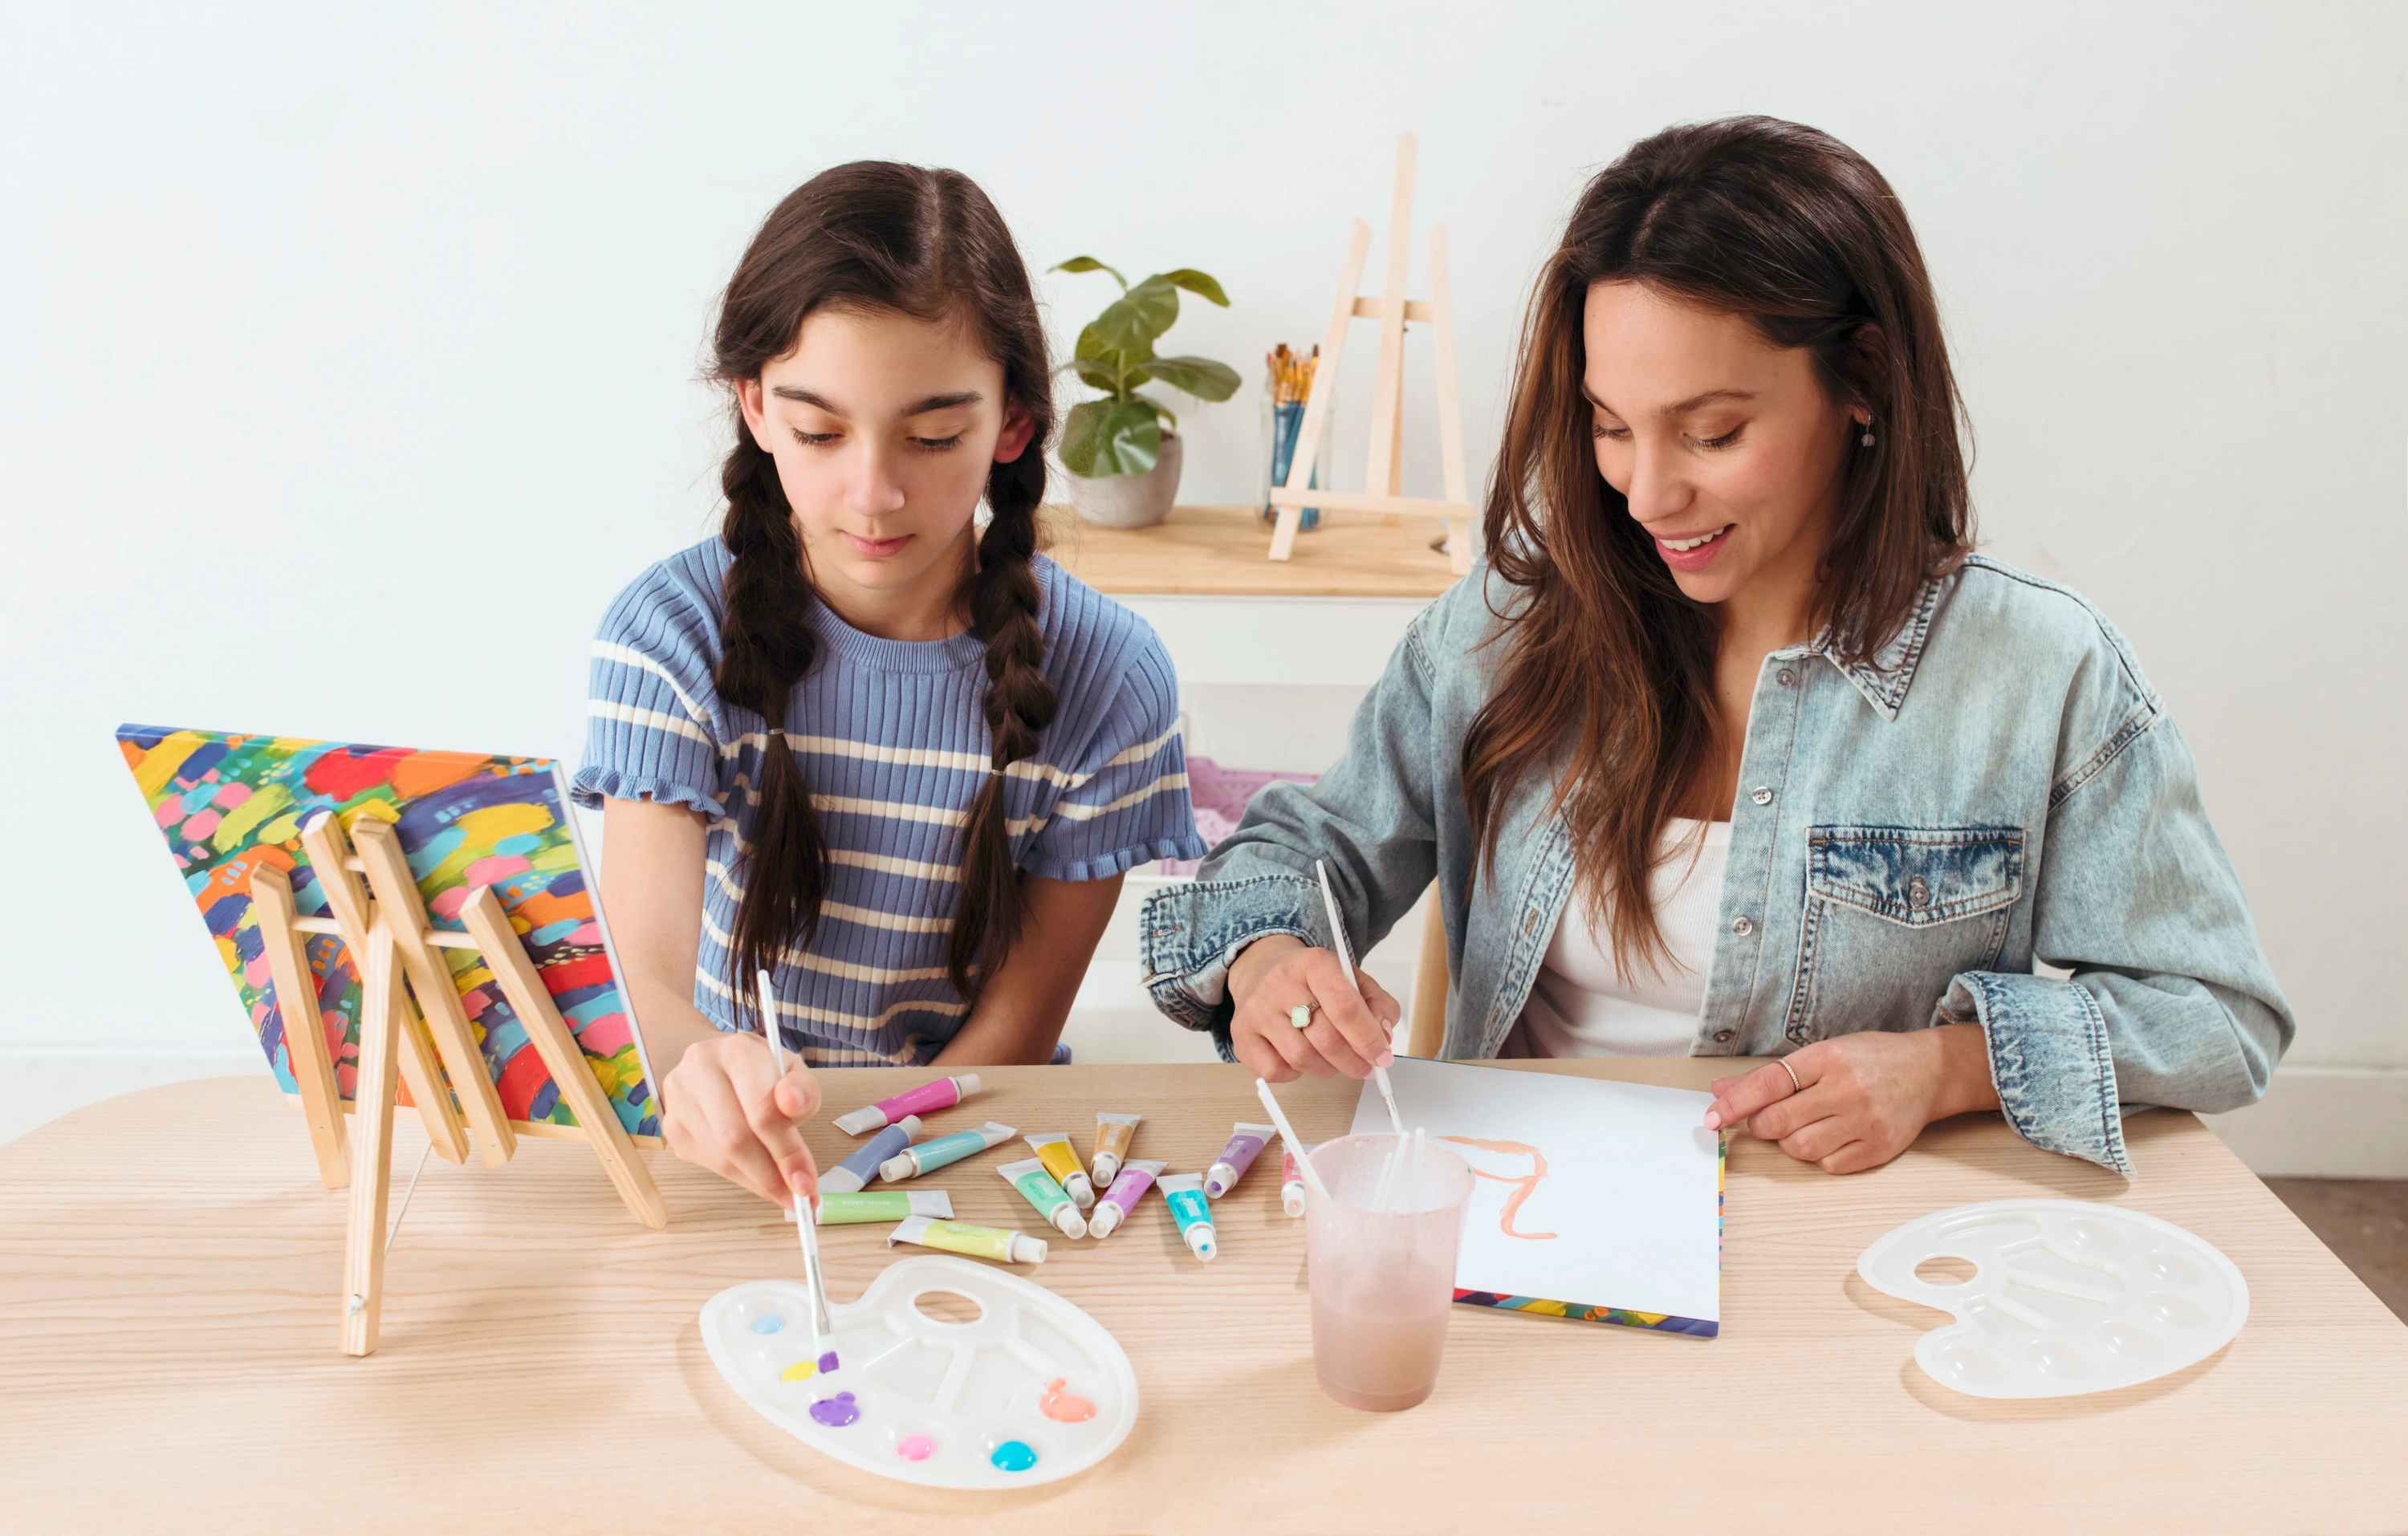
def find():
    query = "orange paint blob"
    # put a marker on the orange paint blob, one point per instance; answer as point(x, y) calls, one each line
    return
point(1061, 1407)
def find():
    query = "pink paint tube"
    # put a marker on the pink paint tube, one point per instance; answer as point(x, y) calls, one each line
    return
point(1238, 1156)
point(943, 1094)
point(1291, 1185)
point(1120, 1201)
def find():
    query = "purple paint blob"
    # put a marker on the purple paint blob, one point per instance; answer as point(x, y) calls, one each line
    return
point(836, 1412)
point(767, 1324)
point(827, 1362)
point(916, 1448)
point(1012, 1455)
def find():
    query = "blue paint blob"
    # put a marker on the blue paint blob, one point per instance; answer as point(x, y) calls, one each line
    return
point(1012, 1455)
point(767, 1324)
point(839, 1411)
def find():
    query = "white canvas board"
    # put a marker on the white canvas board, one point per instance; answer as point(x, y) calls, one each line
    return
point(1630, 1190)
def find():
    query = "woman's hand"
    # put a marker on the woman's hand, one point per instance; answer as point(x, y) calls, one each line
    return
point(1349, 1033)
point(726, 1109)
point(1860, 1099)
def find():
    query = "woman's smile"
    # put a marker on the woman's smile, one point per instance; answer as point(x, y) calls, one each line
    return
point(1694, 551)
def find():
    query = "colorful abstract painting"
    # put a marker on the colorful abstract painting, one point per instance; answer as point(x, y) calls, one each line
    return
point(229, 803)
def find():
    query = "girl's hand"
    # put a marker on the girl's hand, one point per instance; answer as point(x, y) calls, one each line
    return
point(726, 1109)
point(1860, 1099)
point(1349, 1033)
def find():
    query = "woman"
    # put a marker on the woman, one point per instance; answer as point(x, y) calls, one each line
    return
point(896, 760)
point(1733, 747)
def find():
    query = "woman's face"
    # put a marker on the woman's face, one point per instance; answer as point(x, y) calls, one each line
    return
point(883, 428)
point(1728, 446)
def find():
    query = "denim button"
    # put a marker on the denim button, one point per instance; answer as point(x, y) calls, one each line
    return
point(1742, 927)
point(1785, 677)
point(1919, 895)
point(1762, 797)
point(1722, 1037)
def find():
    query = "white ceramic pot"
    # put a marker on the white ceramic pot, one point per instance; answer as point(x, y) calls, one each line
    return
point(1130, 501)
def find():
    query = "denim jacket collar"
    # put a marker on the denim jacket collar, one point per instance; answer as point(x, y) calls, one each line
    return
point(1884, 676)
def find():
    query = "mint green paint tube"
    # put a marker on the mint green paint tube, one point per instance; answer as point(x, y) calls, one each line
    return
point(1041, 1190)
point(883, 1205)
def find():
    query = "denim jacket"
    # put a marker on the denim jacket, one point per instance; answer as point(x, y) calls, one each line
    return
point(1999, 786)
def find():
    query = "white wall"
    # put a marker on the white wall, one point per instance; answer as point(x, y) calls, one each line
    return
point(342, 355)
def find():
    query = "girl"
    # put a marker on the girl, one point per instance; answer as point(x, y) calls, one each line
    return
point(1733, 747)
point(898, 762)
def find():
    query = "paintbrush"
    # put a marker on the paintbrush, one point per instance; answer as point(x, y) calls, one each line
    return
point(822, 1326)
point(1287, 1134)
point(1346, 958)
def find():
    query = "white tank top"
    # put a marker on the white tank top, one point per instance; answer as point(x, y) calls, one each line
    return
point(1582, 1005)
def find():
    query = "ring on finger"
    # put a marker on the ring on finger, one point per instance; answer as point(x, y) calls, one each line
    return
point(1795, 1086)
point(1301, 1015)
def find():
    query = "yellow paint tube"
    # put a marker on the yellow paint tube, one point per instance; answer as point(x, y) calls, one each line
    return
point(1113, 1133)
point(1061, 1159)
point(960, 1237)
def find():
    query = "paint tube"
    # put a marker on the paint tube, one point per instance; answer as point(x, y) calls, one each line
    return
point(856, 1171)
point(883, 1205)
point(1238, 1156)
point(1061, 1159)
point(1185, 1193)
point(1038, 1187)
point(1292, 1183)
point(943, 1094)
point(1113, 1136)
point(1120, 1201)
point(928, 1156)
point(960, 1237)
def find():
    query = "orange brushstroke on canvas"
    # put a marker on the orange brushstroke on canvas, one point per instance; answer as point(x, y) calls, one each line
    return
point(1524, 1187)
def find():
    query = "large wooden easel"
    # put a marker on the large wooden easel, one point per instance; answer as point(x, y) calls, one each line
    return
point(385, 928)
point(1384, 474)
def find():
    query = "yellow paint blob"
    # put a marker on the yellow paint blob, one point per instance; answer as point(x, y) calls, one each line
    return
point(801, 1371)
point(493, 823)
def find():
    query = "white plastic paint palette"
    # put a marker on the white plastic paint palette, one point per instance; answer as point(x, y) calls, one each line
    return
point(2066, 1298)
point(953, 1404)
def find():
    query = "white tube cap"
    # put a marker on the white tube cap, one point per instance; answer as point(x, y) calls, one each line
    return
point(1200, 1243)
point(1105, 1217)
point(898, 1168)
point(967, 1081)
point(1082, 1193)
point(1067, 1217)
point(1026, 1249)
point(1106, 1165)
point(1217, 1182)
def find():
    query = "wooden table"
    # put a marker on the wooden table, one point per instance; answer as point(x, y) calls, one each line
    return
point(1225, 551)
point(168, 1274)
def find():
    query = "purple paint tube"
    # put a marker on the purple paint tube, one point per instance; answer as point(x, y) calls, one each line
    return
point(1238, 1156)
point(943, 1094)
point(1120, 1201)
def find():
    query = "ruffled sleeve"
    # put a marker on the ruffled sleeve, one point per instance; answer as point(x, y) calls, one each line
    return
point(652, 712)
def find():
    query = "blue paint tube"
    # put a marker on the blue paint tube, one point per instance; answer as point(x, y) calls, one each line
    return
point(911, 1162)
point(855, 1172)
point(1185, 1193)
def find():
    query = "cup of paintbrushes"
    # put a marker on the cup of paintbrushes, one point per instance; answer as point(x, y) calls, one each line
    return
point(1380, 1252)
point(1288, 386)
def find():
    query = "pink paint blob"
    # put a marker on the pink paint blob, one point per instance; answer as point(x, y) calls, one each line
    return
point(586, 933)
point(202, 825)
point(604, 1035)
point(256, 972)
point(1061, 1407)
point(836, 1412)
point(230, 794)
point(169, 813)
point(916, 1448)
point(451, 901)
point(498, 867)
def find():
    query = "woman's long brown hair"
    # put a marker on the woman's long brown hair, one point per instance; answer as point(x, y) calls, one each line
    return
point(1605, 674)
point(903, 239)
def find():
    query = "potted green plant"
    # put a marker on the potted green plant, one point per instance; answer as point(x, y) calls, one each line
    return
point(1122, 450)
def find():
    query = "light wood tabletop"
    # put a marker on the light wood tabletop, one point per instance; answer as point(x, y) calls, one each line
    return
point(169, 1268)
point(1225, 551)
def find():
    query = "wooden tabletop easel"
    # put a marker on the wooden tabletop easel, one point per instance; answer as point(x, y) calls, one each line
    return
point(386, 930)
point(1384, 474)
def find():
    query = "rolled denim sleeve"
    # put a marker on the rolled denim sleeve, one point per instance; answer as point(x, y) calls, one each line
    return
point(1368, 818)
point(2172, 1001)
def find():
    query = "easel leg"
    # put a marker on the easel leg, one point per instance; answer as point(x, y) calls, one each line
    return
point(385, 1012)
point(550, 1034)
point(305, 1037)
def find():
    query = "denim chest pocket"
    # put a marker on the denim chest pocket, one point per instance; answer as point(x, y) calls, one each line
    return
point(1891, 913)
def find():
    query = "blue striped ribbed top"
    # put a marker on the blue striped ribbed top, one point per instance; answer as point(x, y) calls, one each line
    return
point(892, 741)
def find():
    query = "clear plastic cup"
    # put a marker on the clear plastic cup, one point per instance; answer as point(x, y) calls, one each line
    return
point(1382, 1276)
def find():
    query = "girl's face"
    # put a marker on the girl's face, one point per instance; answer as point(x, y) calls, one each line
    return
point(883, 428)
point(1728, 446)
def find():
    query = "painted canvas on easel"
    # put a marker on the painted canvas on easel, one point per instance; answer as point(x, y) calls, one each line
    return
point(229, 803)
